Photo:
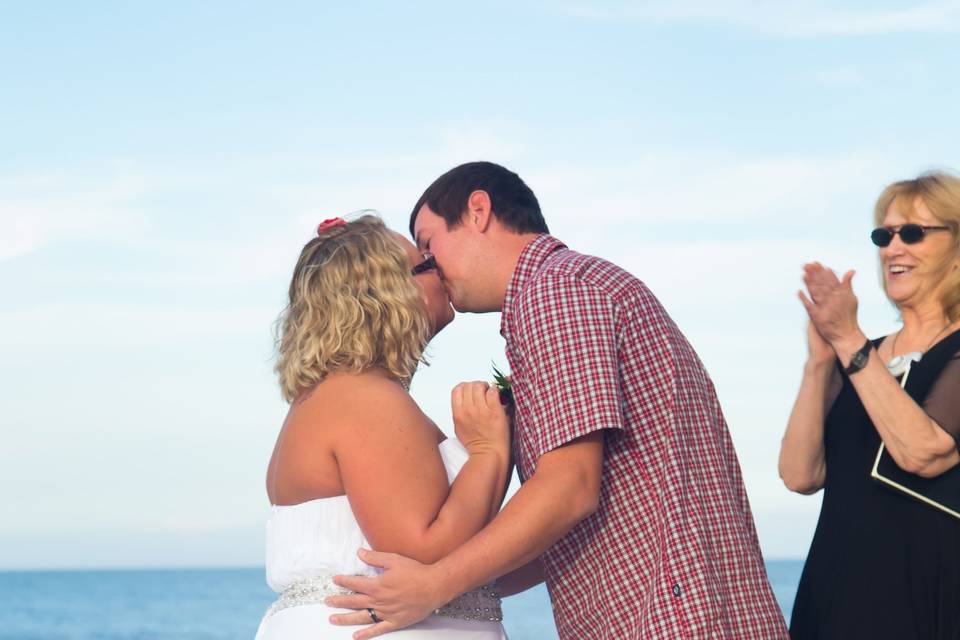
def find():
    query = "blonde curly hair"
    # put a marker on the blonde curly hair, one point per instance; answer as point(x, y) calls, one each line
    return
point(353, 306)
point(940, 192)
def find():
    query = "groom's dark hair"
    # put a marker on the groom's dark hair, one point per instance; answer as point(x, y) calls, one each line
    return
point(511, 201)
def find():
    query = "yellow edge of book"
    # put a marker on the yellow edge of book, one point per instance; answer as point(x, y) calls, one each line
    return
point(875, 474)
point(933, 503)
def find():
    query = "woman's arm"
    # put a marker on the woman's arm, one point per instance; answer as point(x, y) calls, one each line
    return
point(802, 465)
point(394, 477)
point(915, 441)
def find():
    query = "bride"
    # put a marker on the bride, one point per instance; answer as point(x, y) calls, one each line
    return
point(356, 463)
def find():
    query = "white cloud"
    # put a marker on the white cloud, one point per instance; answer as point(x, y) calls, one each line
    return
point(696, 186)
point(63, 325)
point(39, 210)
point(264, 208)
point(743, 271)
point(791, 19)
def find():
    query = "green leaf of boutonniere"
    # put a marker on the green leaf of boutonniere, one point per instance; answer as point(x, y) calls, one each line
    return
point(502, 382)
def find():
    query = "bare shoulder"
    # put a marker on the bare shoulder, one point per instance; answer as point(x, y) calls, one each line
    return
point(380, 436)
point(364, 395)
point(364, 404)
point(348, 417)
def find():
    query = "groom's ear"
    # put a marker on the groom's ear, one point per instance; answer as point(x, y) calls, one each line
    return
point(478, 213)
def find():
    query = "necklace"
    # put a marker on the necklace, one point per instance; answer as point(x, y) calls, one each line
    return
point(898, 364)
point(405, 383)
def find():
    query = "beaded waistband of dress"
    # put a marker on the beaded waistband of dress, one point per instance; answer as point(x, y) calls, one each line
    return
point(480, 604)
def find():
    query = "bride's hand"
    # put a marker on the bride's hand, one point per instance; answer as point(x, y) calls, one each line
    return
point(480, 421)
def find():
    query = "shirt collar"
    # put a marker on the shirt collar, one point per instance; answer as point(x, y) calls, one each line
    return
point(532, 256)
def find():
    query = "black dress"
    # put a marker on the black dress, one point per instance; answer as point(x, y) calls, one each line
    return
point(881, 564)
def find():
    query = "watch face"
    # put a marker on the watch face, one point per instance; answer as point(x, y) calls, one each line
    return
point(858, 361)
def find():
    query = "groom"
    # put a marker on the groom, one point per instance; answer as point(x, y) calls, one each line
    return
point(632, 496)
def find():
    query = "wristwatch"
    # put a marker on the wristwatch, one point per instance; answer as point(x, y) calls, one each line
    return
point(859, 359)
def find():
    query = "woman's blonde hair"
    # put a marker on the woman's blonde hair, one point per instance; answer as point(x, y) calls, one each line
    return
point(353, 306)
point(940, 192)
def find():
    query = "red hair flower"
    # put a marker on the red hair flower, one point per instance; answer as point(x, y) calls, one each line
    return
point(330, 223)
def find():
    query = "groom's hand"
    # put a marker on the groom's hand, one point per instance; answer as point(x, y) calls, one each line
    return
point(406, 592)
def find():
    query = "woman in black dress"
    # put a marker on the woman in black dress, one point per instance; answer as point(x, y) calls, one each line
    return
point(882, 564)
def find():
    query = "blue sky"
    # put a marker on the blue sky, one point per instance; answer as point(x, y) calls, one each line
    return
point(162, 166)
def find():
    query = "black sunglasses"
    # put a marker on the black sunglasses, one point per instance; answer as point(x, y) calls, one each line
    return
point(429, 262)
point(909, 233)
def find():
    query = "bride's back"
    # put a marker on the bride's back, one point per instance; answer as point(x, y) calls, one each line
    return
point(337, 416)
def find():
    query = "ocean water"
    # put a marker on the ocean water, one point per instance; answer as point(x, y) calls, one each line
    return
point(205, 604)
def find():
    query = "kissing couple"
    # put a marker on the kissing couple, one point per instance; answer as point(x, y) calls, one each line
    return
point(632, 507)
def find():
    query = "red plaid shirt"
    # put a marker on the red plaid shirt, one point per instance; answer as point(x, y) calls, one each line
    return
point(672, 551)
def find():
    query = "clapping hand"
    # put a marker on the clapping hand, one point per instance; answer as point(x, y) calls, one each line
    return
point(832, 307)
point(819, 350)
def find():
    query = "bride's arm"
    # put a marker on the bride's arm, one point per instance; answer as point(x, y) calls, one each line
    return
point(395, 479)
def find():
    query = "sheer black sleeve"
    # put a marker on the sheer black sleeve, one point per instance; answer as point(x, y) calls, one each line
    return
point(943, 401)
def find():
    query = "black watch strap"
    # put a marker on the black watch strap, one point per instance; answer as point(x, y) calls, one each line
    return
point(859, 359)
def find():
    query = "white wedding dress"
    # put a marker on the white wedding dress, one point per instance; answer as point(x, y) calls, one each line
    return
point(309, 543)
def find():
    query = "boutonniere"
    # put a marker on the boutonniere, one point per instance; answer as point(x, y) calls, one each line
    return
point(502, 382)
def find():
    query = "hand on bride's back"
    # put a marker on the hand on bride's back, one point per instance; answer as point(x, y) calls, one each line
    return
point(480, 420)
